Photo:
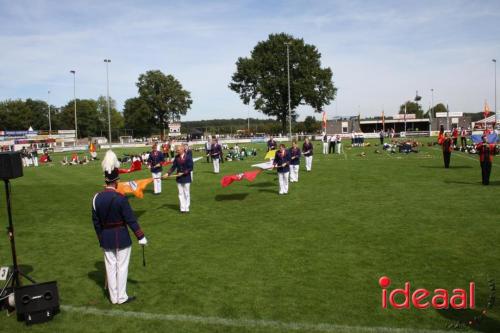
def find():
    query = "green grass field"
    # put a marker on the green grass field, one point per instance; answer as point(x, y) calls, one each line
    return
point(248, 260)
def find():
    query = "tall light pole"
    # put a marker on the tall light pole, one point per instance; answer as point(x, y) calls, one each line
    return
point(48, 103)
point(107, 61)
point(430, 111)
point(74, 99)
point(496, 110)
point(289, 98)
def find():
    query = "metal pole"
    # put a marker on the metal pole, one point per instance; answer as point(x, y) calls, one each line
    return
point(107, 61)
point(48, 103)
point(74, 99)
point(447, 118)
point(289, 98)
point(496, 110)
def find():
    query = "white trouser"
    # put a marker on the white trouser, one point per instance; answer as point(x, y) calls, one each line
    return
point(339, 148)
point(35, 161)
point(156, 181)
point(283, 180)
point(116, 262)
point(25, 161)
point(325, 148)
point(309, 162)
point(294, 173)
point(215, 162)
point(184, 196)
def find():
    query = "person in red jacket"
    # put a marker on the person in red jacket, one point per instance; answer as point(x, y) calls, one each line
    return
point(447, 148)
point(486, 152)
point(455, 136)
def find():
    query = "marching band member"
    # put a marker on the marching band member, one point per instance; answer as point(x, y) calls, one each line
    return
point(271, 144)
point(325, 144)
point(155, 161)
point(340, 150)
point(208, 147)
point(307, 151)
point(216, 153)
point(111, 215)
point(183, 165)
point(463, 138)
point(294, 162)
point(486, 152)
point(447, 149)
point(282, 164)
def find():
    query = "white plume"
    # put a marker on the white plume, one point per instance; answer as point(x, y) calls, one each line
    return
point(110, 162)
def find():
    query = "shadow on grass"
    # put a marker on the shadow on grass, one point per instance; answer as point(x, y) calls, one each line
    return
point(442, 167)
point(231, 197)
point(267, 190)
point(264, 184)
point(171, 206)
point(487, 325)
point(139, 213)
point(461, 182)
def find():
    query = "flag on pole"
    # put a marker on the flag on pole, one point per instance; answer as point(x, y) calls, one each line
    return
point(324, 120)
point(486, 109)
point(270, 155)
point(248, 175)
point(135, 187)
point(263, 166)
point(136, 166)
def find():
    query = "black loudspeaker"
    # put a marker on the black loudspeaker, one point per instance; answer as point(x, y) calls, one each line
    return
point(37, 303)
point(11, 165)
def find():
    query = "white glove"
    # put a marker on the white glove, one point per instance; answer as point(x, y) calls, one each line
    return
point(143, 241)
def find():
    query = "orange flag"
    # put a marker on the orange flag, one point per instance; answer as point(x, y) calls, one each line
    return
point(134, 187)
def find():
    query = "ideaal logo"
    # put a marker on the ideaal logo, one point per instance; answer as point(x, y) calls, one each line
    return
point(422, 298)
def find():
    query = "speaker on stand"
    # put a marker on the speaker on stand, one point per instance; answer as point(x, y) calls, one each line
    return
point(34, 303)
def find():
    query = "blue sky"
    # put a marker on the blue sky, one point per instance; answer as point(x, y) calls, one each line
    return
point(380, 52)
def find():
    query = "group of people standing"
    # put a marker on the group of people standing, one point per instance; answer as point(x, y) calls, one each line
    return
point(485, 150)
point(332, 144)
point(287, 161)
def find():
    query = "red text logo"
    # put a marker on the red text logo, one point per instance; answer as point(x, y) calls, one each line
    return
point(422, 298)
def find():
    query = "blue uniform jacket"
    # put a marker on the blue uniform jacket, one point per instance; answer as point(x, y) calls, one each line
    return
point(182, 166)
point(111, 214)
point(156, 157)
point(295, 156)
point(216, 151)
point(307, 149)
point(271, 145)
point(282, 159)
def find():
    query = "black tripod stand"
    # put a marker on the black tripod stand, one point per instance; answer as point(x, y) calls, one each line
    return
point(13, 279)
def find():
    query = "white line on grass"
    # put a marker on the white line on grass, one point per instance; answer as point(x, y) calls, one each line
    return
point(245, 323)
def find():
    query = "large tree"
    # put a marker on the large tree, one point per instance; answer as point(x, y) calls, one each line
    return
point(20, 115)
point(138, 116)
point(87, 115)
point(263, 79)
point(164, 96)
point(117, 121)
point(412, 107)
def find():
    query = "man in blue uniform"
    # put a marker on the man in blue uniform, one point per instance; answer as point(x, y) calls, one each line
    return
point(294, 162)
point(282, 164)
point(111, 215)
point(307, 151)
point(155, 160)
point(182, 166)
point(271, 144)
point(216, 153)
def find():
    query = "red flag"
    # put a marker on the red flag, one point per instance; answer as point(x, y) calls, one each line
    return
point(324, 119)
point(248, 175)
point(136, 166)
point(165, 163)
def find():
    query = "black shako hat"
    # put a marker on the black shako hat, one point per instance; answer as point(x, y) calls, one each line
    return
point(111, 177)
